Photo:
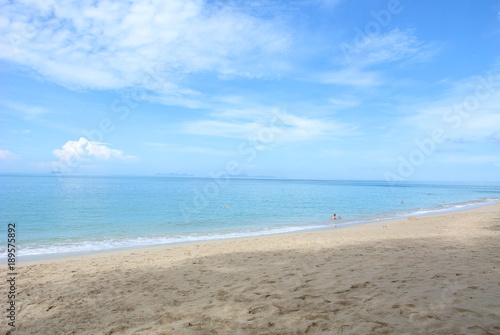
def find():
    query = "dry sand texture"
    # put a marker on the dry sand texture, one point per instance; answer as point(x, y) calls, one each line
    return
point(428, 275)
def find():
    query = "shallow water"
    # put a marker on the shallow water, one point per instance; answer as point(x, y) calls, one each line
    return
point(56, 215)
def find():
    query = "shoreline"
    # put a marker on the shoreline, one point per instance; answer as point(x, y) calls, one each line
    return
point(32, 259)
point(336, 227)
point(435, 274)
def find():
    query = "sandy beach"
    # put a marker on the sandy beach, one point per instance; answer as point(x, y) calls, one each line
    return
point(436, 274)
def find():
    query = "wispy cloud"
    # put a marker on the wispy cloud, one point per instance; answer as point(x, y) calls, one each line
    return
point(157, 144)
point(344, 102)
point(190, 149)
point(472, 159)
point(36, 115)
point(395, 46)
point(206, 151)
point(22, 131)
point(6, 154)
point(359, 62)
point(327, 3)
point(284, 127)
point(350, 77)
point(236, 129)
point(152, 44)
point(27, 112)
point(467, 111)
point(496, 137)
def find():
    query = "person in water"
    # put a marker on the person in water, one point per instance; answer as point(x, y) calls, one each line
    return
point(334, 217)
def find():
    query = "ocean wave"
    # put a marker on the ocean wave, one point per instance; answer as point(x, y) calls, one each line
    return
point(82, 247)
point(61, 249)
point(444, 208)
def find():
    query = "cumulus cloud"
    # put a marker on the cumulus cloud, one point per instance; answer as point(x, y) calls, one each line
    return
point(149, 43)
point(85, 150)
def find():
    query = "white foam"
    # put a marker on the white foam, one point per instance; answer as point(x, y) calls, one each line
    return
point(82, 247)
point(62, 249)
point(425, 211)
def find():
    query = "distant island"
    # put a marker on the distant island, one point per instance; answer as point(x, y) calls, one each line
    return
point(227, 175)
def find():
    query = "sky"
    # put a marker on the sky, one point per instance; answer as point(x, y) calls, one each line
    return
point(395, 90)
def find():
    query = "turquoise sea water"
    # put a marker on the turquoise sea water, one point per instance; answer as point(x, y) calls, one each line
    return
point(56, 215)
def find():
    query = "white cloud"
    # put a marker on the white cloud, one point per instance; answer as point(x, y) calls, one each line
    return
point(396, 45)
point(235, 129)
point(345, 102)
point(85, 150)
point(207, 151)
point(468, 111)
point(472, 159)
point(154, 44)
point(190, 149)
point(28, 112)
point(360, 56)
point(334, 153)
point(157, 144)
point(327, 3)
point(6, 154)
point(22, 131)
point(271, 126)
point(351, 77)
point(496, 137)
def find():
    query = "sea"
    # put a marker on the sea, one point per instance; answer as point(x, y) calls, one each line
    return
point(62, 215)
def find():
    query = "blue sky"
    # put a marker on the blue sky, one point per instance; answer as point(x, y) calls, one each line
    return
point(334, 89)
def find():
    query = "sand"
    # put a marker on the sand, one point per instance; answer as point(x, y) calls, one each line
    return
point(436, 274)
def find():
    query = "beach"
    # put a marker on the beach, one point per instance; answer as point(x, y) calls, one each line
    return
point(435, 274)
